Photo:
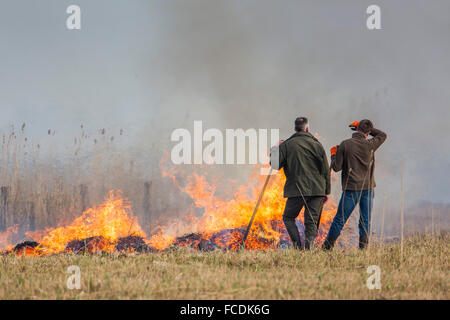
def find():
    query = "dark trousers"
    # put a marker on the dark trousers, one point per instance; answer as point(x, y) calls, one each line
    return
point(347, 204)
point(313, 210)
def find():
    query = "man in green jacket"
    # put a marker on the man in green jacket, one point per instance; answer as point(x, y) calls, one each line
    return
point(307, 184)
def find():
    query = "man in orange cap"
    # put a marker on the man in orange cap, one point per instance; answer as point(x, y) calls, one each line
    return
point(355, 157)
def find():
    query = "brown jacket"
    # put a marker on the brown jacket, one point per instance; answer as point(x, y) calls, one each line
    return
point(356, 158)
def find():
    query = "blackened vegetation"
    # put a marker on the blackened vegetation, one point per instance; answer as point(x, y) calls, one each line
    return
point(189, 240)
point(207, 245)
point(227, 239)
point(25, 244)
point(231, 239)
point(133, 243)
point(130, 243)
point(88, 245)
point(21, 248)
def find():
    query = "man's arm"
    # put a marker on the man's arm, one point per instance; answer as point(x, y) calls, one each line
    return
point(278, 156)
point(378, 138)
point(337, 159)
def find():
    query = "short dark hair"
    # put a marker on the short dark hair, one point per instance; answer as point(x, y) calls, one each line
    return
point(365, 126)
point(300, 124)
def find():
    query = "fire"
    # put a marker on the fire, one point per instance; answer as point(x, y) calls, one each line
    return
point(110, 221)
point(221, 214)
point(112, 225)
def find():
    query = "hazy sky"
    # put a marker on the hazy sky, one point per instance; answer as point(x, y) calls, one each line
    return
point(152, 66)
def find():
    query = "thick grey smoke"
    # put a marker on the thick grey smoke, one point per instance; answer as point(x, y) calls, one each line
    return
point(152, 66)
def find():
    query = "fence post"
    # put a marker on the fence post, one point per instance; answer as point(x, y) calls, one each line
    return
point(84, 197)
point(32, 217)
point(4, 195)
point(146, 203)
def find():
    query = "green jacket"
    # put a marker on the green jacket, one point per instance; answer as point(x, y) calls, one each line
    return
point(305, 164)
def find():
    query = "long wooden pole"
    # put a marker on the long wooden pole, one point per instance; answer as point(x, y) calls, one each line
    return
point(402, 214)
point(256, 208)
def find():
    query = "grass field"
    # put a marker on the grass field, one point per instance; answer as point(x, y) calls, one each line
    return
point(419, 271)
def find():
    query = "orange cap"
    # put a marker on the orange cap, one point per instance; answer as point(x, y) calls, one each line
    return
point(354, 124)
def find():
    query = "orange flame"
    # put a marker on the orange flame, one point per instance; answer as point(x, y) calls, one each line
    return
point(220, 214)
point(114, 219)
point(111, 220)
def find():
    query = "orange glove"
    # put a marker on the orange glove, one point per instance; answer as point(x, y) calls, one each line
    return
point(354, 125)
point(333, 150)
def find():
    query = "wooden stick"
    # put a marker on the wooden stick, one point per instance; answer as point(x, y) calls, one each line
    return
point(256, 208)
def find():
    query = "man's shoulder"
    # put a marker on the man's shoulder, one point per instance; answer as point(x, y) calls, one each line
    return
point(355, 142)
point(303, 137)
point(347, 141)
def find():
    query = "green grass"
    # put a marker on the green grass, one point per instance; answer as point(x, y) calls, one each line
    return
point(422, 273)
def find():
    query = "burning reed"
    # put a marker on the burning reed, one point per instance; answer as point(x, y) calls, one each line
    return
point(112, 227)
point(46, 182)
